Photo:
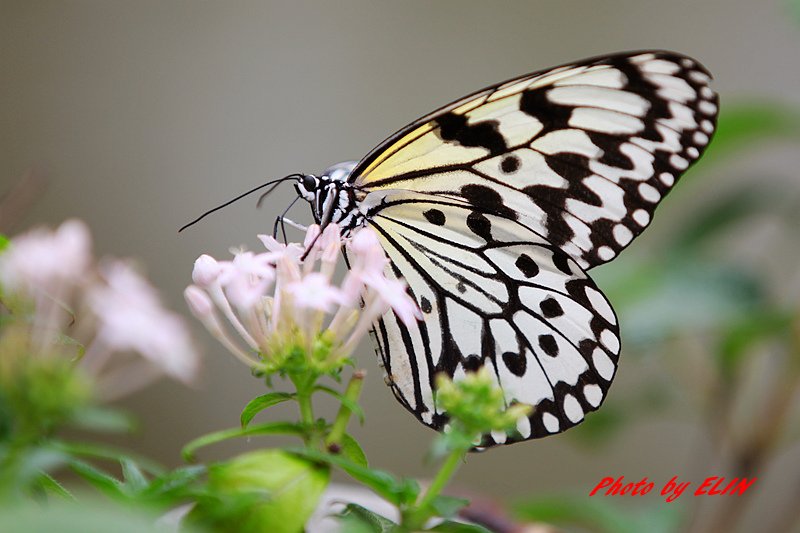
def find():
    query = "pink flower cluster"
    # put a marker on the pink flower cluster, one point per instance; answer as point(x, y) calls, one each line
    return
point(108, 306)
point(277, 297)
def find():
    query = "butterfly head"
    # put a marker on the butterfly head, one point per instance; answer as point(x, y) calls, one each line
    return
point(308, 186)
point(331, 197)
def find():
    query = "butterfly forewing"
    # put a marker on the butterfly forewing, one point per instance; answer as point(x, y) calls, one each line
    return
point(580, 154)
point(492, 209)
point(493, 293)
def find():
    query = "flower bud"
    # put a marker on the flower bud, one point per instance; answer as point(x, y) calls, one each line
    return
point(265, 490)
point(199, 302)
point(206, 270)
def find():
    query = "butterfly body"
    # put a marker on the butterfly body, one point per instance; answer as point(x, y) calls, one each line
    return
point(493, 208)
point(332, 198)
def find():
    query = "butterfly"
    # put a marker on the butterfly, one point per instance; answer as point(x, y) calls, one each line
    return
point(494, 207)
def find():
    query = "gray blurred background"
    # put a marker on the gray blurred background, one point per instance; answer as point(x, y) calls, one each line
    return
point(142, 114)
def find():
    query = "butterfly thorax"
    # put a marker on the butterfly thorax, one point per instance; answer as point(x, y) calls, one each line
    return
point(332, 197)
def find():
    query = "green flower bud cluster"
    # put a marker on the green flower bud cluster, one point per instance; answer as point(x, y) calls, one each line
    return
point(476, 406)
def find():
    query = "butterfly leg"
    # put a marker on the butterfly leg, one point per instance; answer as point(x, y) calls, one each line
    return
point(281, 220)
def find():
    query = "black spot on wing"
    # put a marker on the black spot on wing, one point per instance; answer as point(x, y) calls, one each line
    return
point(510, 164)
point(548, 345)
point(527, 266)
point(425, 305)
point(480, 225)
point(453, 127)
point(569, 166)
point(487, 199)
point(515, 362)
point(435, 216)
point(551, 308)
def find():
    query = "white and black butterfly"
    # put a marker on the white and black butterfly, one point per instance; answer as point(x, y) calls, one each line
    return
point(493, 208)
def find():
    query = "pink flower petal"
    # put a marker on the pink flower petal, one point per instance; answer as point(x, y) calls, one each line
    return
point(367, 252)
point(394, 293)
point(293, 250)
point(315, 292)
point(247, 278)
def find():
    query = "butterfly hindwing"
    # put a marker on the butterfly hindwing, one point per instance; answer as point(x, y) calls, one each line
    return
point(493, 293)
point(580, 154)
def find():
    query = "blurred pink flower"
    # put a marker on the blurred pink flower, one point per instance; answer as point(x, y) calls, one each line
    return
point(41, 260)
point(130, 318)
point(112, 309)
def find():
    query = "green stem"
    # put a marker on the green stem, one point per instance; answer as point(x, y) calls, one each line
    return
point(339, 427)
point(306, 409)
point(305, 388)
point(422, 512)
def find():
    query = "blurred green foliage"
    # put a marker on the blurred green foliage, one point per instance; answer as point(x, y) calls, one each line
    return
point(794, 9)
point(597, 514)
point(91, 516)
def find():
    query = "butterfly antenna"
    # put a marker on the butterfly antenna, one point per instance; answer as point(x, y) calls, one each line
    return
point(273, 183)
point(267, 193)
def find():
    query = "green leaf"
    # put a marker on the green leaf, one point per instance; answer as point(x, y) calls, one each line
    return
point(135, 480)
point(33, 462)
point(4, 242)
point(176, 483)
point(358, 519)
point(108, 453)
point(256, 405)
point(103, 482)
point(51, 485)
point(347, 402)
point(104, 419)
point(448, 506)
point(397, 491)
point(267, 428)
point(449, 526)
point(352, 450)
